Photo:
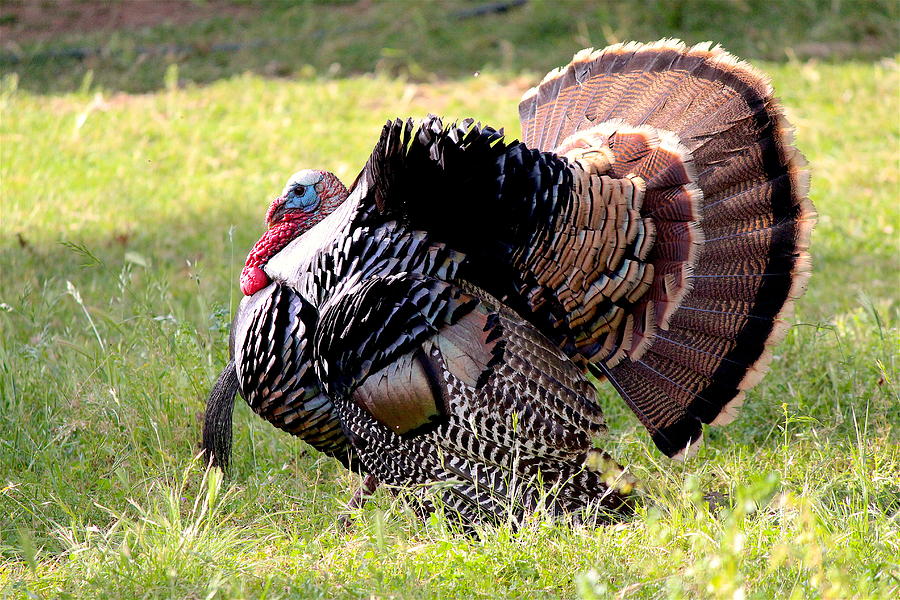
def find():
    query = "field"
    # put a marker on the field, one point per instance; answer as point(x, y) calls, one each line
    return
point(133, 184)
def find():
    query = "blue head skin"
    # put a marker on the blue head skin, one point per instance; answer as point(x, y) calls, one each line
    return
point(300, 195)
point(300, 191)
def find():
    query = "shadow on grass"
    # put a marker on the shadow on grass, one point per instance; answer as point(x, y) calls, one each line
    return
point(429, 40)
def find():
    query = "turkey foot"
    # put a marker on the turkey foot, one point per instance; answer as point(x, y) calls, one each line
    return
point(365, 491)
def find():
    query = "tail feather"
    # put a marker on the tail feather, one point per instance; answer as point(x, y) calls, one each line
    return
point(728, 288)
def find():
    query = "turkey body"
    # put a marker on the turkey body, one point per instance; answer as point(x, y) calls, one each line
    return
point(436, 329)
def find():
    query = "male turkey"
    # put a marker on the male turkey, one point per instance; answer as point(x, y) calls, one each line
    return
point(433, 326)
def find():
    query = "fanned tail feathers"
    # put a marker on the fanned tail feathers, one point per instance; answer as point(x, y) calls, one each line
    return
point(727, 304)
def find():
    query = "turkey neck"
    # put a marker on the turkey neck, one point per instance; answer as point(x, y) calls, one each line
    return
point(296, 234)
point(292, 261)
point(272, 241)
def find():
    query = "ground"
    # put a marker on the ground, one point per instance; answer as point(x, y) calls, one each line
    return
point(132, 183)
point(24, 21)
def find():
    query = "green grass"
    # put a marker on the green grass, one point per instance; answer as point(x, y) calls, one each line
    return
point(426, 40)
point(125, 220)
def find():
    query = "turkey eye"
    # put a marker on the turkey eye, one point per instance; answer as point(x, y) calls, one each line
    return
point(300, 190)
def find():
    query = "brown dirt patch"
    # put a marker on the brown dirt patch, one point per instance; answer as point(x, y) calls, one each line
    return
point(38, 20)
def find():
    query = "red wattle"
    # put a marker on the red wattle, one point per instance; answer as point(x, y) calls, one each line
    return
point(253, 279)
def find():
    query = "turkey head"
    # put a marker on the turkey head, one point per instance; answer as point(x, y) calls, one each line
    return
point(308, 197)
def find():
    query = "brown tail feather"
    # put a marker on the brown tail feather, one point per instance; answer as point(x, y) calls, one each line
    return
point(714, 342)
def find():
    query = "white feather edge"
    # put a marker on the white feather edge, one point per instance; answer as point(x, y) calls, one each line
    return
point(718, 56)
point(801, 272)
point(668, 141)
point(713, 52)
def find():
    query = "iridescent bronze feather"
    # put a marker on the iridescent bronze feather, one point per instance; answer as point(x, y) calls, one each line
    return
point(435, 327)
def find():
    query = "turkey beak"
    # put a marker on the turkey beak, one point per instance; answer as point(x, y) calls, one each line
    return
point(277, 212)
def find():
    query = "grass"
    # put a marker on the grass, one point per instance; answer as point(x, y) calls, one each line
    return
point(125, 219)
point(427, 40)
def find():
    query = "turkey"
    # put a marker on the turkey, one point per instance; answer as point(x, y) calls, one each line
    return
point(434, 327)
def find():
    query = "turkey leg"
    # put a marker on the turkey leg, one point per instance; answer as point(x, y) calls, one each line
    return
point(365, 491)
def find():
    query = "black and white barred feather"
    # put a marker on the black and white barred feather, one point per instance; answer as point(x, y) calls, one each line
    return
point(436, 330)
